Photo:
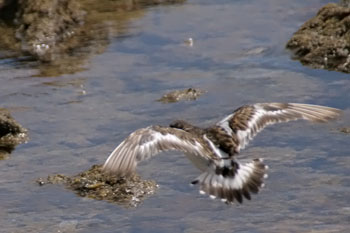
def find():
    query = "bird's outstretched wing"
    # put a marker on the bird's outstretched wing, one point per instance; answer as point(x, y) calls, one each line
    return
point(146, 142)
point(245, 122)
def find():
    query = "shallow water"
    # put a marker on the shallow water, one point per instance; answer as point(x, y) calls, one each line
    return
point(238, 57)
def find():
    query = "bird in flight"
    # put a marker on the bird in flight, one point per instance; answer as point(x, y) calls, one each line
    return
point(214, 150)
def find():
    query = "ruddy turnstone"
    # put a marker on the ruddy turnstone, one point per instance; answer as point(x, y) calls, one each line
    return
point(213, 150)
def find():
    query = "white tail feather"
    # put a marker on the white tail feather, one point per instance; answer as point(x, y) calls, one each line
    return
point(232, 181)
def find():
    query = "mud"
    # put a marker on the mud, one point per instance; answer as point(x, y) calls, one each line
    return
point(181, 95)
point(95, 184)
point(11, 134)
point(324, 41)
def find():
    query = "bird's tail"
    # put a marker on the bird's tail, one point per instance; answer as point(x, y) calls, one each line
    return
point(231, 180)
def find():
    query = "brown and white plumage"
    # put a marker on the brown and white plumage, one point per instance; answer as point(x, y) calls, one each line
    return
point(213, 149)
point(146, 142)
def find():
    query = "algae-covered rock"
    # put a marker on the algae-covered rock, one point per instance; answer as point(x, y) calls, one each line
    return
point(95, 184)
point(45, 24)
point(62, 34)
point(11, 133)
point(324, 40)
point(345, 130)
point(40, 28)
point(344, 3)
point(180, 95)
point(4, 3)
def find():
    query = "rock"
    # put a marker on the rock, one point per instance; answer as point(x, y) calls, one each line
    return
point(11, 133)
point(345, 130)
point(62, 34)
point(95, 184)
point(324, 40)
point(4, 3)
point(45, 24)
point(180, 95)
point(345, 3)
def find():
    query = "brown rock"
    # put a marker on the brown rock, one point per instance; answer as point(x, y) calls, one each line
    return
point(180, 95)
point(324, 40)
point(11, 133)
point(93, 183)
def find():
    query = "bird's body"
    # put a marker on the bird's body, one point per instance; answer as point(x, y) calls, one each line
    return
point(213, 150)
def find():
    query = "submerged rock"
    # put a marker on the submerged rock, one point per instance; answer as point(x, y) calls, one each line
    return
point(95, 184)
point(11, 133)
point(180, 95)
point(324, 40)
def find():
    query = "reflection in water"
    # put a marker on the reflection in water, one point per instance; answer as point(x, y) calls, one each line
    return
point(63, 36)
point(105, 20)
point(5, 152)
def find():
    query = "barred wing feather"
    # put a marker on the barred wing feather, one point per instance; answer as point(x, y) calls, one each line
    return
point(245, 122)
point(147, 142)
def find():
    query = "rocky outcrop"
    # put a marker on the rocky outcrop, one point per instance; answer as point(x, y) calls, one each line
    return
point(64, 33)
point(11, 133)
point(324, 41)
point(93, 183)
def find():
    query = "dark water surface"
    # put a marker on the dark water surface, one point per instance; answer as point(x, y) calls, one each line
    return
point(238, 57)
